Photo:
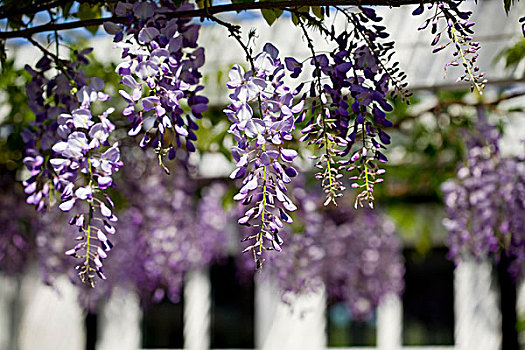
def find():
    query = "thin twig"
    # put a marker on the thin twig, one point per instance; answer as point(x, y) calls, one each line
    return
point(375, 50)
point(327, 148)
point(58, 61)
point(235, 33)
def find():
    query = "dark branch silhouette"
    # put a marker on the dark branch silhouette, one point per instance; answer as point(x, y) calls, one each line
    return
point(205, 13)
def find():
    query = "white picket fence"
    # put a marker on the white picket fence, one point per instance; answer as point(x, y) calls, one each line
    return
point(38, 317)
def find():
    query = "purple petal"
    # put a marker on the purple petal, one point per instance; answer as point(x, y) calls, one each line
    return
point(180, 130)
point(265, 159)
point(149, 103)
point(105, 211)
point(104, 181)
point(148, 34)
point(288, 155)
point(101, 236)
point(250, 185)
point(84, 193)
point(238, 173)
point(67, 205)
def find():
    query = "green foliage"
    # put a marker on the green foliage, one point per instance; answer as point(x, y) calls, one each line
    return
point(15, 114)
point(87, 11)
point(318, 11)
point(66, 9)
point(512, 55)
point(507, 4)
point(271, 15)
point(413, 224)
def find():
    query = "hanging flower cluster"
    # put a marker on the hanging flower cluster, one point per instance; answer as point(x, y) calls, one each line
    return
point(355, 255)
point(261, 158)
point(72, 163)
point(350, 87)
point(485, 204)
point(169, 234)
point(68, 154)
point(160, 70)
point(160, 237)
point(373, 258)
point(48, 98)
point(449, 18)
point(17, 218)
point(85, 154)
point(370, 81)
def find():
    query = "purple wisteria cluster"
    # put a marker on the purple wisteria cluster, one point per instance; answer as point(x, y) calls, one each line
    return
point(52, 238)
point(17, 218)
point(262, 160)
point(355, 255)
point(448, 18)
point(160, 69)
point(485, 204)
point(350, 86)
point(373, 258)
point(161, 237)
point(167, 234)
point(69, 156)
point(84, 161)
point(48, 98)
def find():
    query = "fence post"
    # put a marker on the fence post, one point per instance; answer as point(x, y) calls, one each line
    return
point(197, 302)
point(119, 322)
point(477, 314)
point(390, 323)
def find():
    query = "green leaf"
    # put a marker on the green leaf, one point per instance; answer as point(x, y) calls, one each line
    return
point(66, 9)
point(508, 4)
point(3, 56)
point(86, 11)
point(295, 19)
point(513, 55)
point(270, 15)
point(318, 12)
point(200, 4)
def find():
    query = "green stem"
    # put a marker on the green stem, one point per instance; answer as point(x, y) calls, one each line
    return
point(88, 238)
point(88, 221)
point(264, 204)
point(465, 61)
point(367, 184)
point(323, 120)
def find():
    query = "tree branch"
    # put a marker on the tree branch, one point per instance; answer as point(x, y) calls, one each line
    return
point(13, 9)
point(212, 10)
point(32, 8)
